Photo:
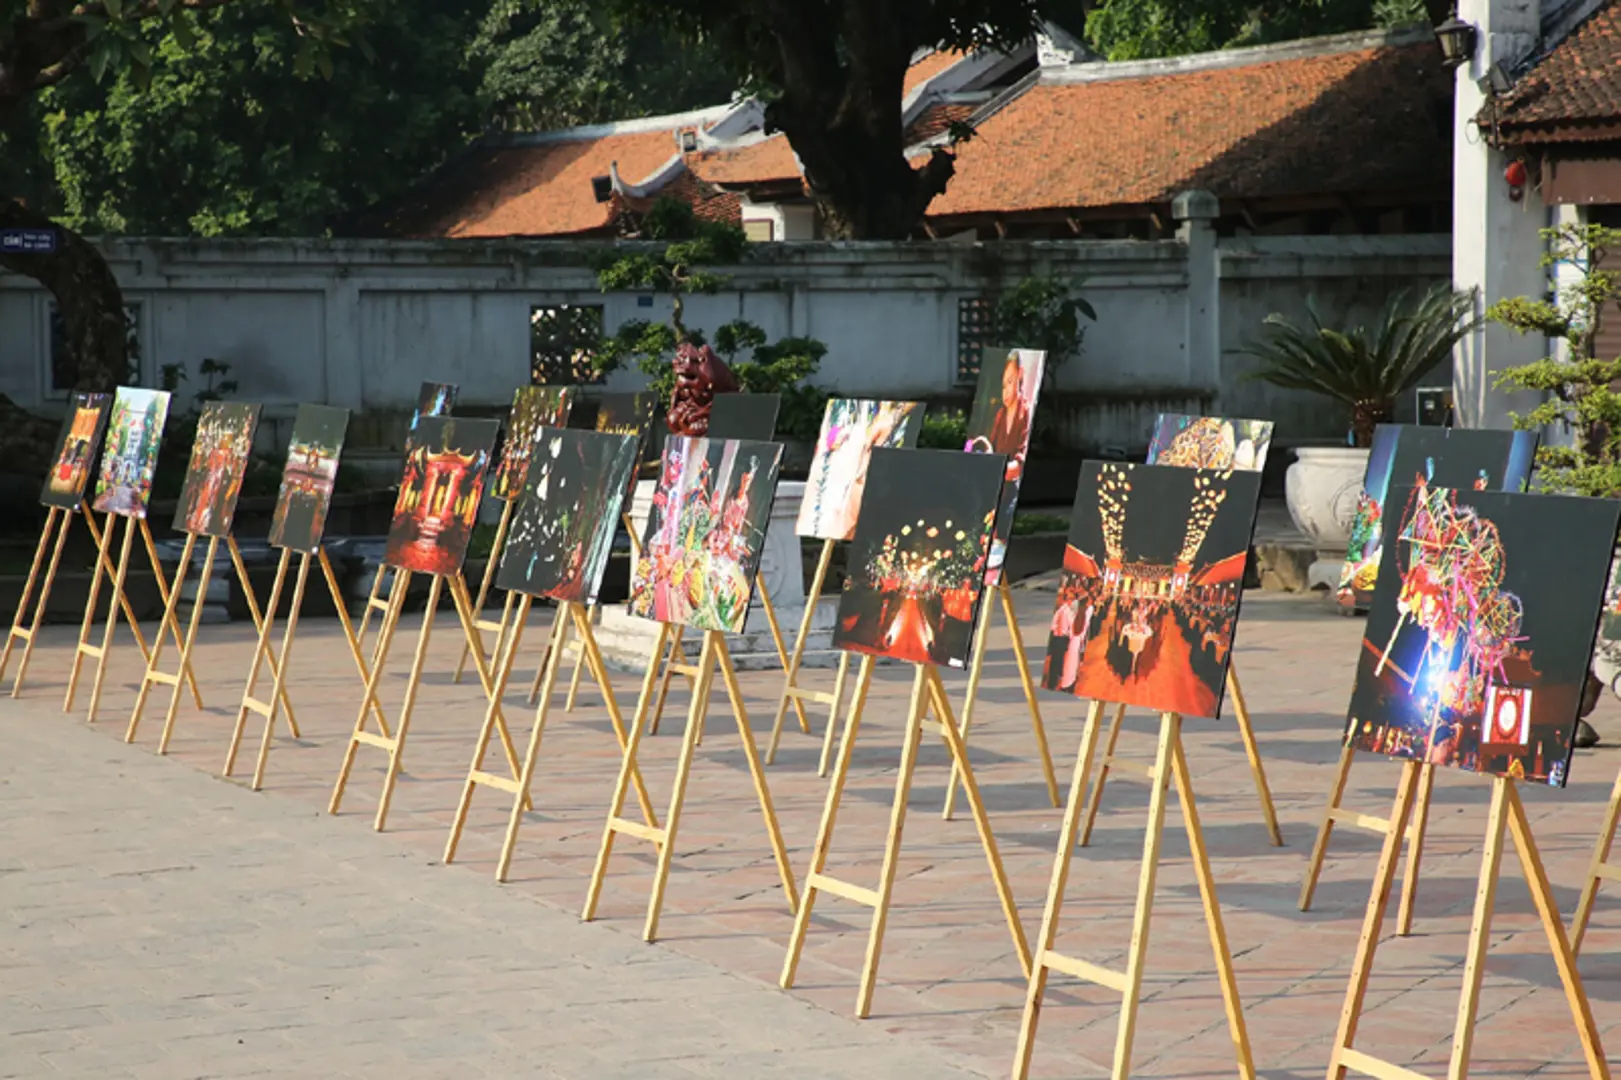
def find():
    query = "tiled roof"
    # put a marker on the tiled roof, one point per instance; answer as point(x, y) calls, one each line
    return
point(928, 67)
point(935, 120)
point(706, 201)
point(1573, 94)
point(1318, 119)
point(767, 161)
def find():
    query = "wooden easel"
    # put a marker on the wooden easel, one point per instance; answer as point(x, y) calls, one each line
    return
point(568, 614)
point(1598, 869)
point(394, 743)
point(1412, 832)
point(153, 675)
point(798, 695)
point(496, 628)
point(1506, 810)
point(676, 664)
point(1169, 763)
point(375, 602)
point(59, 520)
point(928, 693)
point(117, 603)
point(713, 655)
point(1245, 731)
point(971, 697)
point(575, 646)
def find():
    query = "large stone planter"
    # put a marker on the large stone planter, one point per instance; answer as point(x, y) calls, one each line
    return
point(1322, 487)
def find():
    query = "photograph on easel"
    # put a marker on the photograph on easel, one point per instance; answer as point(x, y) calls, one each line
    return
point(851, 430)
point(1210, 442)
point(1001, 421)
point(533, 408)
point(76, 446)
point(706, 531)
point(440, 491)
point(1149, 595)
point(629, 414)
point(434, 399)
point(1467, 459)
point(916, 568)
point(568, 512)
point(744, 416)
point(129, 455)
point(219, 464)
point(308, 477)
point(1476, 649)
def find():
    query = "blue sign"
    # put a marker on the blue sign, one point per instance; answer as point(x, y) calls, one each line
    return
point(27, 241)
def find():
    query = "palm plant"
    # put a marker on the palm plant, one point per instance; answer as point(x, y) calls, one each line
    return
point(1367, 368)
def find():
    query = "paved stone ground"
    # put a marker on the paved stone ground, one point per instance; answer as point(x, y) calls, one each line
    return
point(160, 922)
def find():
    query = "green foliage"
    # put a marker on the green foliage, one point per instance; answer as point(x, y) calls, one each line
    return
point(1582, 391)
point(1032, 523)
point(779, 368)
point(1043, 313)
point(1139, 29)
point(943, 429)
point(1366, 368)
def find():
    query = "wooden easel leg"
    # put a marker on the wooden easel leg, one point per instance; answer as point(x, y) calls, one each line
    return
point(496, 548)
point(574, 683)
point(1022, 662)
point(282, 666)
point(385, 636)
point(1595, 868)
point(462, 602)
point(911, 740)
point(830, 813)
point(105, 563)
point(1372, 921)
point(1415, 849)
point(707, 663)
point(1581, 1010)
point(526, 771)
point(102, 545)
point(44, 601)
point(982, 821)
point(151, 674)
point(17, 629)
point(678, 655)
point(186, 649)
point(371, 602)
point(1480, 929)
point(1319, 848)
point(780, 645)
point(341, 606)
point(186, 672)
point(761, 791)
point(833, 713)
point(591, 654)
point(112, 619)
point(1096, 799)
point(1037, 987)
point(1252, 750)
point(412, 683)
point(791, 667)
point(970, 698)
point(260, 649)
point(627, 765)
point(1212, 912)
point(259, 619)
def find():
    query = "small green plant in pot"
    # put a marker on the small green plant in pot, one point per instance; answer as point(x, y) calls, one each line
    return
point(1367, 368)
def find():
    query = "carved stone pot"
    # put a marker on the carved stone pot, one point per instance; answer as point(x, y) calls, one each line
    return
point(1323, 486)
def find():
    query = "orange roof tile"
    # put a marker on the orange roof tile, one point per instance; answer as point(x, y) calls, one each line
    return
point(936, 120)
point(928, 67)
point(1574, 93)
point(1331, 122)
point(762, 162)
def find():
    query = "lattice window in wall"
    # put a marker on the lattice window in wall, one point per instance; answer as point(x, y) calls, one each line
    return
point(562, 340)
point(973, 334)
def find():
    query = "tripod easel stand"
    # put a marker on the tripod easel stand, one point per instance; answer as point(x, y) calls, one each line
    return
point(568, 614)
point(1170, 763)
point(394, 743)
point(1412, 832)
point(971, 697)
point(59, 520)
point(1599, 868)
point(1245, 731)
point(153, 675)
point(711, 656)
point(117, 603)
point(496, 628)
point(575, 648)
point(1506, 810)
point(928, 693)
point(798, 695)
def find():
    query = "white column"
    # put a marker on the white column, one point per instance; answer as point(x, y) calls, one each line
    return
point(1195, 213)
point(1496, 241)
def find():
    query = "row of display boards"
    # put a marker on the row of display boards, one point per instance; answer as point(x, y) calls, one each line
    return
point(1481, 623)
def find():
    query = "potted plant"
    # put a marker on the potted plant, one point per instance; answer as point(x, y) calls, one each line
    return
point(1365, 368)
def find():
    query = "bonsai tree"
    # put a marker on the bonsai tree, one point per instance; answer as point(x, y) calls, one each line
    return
point(1366, 368)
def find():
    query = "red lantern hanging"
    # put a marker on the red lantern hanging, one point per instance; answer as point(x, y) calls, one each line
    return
point(1515, 176)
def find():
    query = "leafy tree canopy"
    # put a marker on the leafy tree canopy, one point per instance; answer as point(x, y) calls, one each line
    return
point(1140, 29)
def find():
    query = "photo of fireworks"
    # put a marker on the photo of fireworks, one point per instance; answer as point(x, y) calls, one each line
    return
point(1467, 459)
point(1483, 619)
point(308, 477)
point(440, 491)
point(851, 430)
point(434, 399)
point(1210, 442)
point(76, 447)
point(705, 533)
point(744, 416)
point(916, 568)
point(567, 513)
point(219, 464)
point(1153, 576)
point(129, 456)
point(1003, 414)
point(533, 408)
point(629, 414)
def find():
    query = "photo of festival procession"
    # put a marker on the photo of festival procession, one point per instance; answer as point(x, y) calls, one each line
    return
point(308, 478)
point(129, 455)
point(705, 532)
point(533, 408)
point(443, 482)
point(851, 430)
point(1470, 659)
point(75, 451)
point(1210, 442)
point(1153, 575)
point(219, 464)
